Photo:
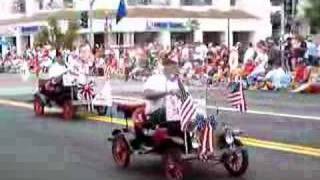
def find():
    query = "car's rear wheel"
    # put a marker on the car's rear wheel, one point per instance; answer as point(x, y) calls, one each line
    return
point(173, 165)
point(68, 110)
point(38, 106)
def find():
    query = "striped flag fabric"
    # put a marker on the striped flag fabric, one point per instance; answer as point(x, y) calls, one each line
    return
point(187, 110)
point(205, 127)
point(236, 97)
point(206, 139)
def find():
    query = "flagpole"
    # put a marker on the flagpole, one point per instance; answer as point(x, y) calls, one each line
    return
point(91, 24)
point(206, 92)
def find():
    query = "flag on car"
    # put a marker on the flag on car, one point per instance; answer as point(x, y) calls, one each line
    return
point(236, 97)
point(122, 11)
point(86, 91)
point(187, 110)
point(205, 127)
point(206, 139)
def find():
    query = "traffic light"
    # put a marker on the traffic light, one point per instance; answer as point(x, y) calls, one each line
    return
point(288, 8)
point(84, 19)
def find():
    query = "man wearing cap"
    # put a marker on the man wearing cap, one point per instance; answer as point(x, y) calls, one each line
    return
point(58, 67)
point(160, 90)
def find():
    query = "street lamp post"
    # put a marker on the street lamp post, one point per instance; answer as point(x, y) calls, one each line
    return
point(282, 33)
point(91, 38)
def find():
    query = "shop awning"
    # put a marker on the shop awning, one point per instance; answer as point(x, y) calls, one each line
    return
point(69, 14)
point(182, 13)
point(66, 14)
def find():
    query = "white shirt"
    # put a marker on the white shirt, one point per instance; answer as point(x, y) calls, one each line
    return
point(234, 59)
point(159, 83)
point(262, 60)
point(248, 55)
point(56, 70)
point(277, 76)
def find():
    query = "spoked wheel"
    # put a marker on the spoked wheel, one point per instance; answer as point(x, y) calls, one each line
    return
point(68, 110)
point(237, 162)
point(173, 164)
point(121, 151)
point(38, 107)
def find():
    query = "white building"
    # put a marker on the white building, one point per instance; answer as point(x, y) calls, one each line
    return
point(220, 21)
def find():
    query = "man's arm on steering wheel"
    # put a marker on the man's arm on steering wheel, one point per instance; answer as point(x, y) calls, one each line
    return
point(154, 95)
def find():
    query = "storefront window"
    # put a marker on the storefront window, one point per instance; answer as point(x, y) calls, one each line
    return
point(185, 37)
point(52, 4)
point(19, 6)
point(148, 2)
point(196, 2)
point(145, 37)
point(233, 2)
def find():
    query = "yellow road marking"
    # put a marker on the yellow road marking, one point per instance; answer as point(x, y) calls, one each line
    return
point(16, 104)
point(281, 148)
point(298, 149)
point(289, 146)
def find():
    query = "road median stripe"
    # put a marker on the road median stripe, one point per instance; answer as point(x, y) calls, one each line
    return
point(289, 146)
point(246, 140)
point(281, 148)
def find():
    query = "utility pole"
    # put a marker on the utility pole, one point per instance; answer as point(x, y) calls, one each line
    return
point(282, 32)
point(283, 21)
point(91, 39)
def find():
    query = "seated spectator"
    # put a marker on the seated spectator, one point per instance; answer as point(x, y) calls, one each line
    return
point(312, 85)
point(301, 74)
point(219, 76)
point(277, 78)
point(248, 68)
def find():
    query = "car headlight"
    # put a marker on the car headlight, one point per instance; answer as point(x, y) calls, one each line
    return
point(229, 138)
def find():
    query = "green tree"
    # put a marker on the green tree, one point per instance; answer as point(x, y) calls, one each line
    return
point(193, 25)
point(53, 35)
point(312, 13)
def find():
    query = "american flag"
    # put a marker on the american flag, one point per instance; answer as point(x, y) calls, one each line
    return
point(187, 110)
point(205, 127)
point(236, 97)
point(206, 139)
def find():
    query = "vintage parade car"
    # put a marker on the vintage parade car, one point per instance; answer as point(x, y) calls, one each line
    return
point(68, 93)
point(175, 147)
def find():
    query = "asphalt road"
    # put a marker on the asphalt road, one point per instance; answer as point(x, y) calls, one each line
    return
point(49, 148)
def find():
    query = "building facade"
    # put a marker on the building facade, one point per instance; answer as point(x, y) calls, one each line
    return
point(166, 21)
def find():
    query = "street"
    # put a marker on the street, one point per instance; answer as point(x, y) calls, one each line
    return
point(49, 148)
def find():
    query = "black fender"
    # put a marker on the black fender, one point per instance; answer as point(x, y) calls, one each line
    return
point(40, 96)
point(238, 142)
point(168, 144)
point(116, 132)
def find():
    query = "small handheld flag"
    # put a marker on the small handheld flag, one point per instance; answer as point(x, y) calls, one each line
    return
point(122, 11)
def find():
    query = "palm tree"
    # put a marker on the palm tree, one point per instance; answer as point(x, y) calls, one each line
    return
point(52, 35)
point(193, 25)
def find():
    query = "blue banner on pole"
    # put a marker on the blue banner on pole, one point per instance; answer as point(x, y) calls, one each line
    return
point(122, 11)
